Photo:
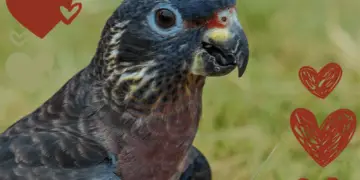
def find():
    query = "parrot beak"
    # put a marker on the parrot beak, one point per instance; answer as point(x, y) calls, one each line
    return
point(243, 57)
point(226, 45)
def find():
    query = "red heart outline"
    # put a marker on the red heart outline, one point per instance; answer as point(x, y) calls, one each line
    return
point(323, 83)
point(72, 17)
point(323, 144)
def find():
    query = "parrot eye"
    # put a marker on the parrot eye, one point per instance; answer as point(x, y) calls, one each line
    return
point(165, 18)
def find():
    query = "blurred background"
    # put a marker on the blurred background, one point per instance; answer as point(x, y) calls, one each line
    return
point(245, 129)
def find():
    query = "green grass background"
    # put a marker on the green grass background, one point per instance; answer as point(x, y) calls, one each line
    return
point(244, 120)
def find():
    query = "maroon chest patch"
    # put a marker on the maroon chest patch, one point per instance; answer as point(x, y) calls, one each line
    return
point(159, 142)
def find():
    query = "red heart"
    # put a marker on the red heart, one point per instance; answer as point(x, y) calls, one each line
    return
point(72, 17)
point(323, 144)
point(323, 83)
point(38, 16)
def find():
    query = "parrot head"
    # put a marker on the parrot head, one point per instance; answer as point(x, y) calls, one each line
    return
point(157, 44)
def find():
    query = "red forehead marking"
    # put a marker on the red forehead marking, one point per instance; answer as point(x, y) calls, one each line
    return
point(215, 21)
